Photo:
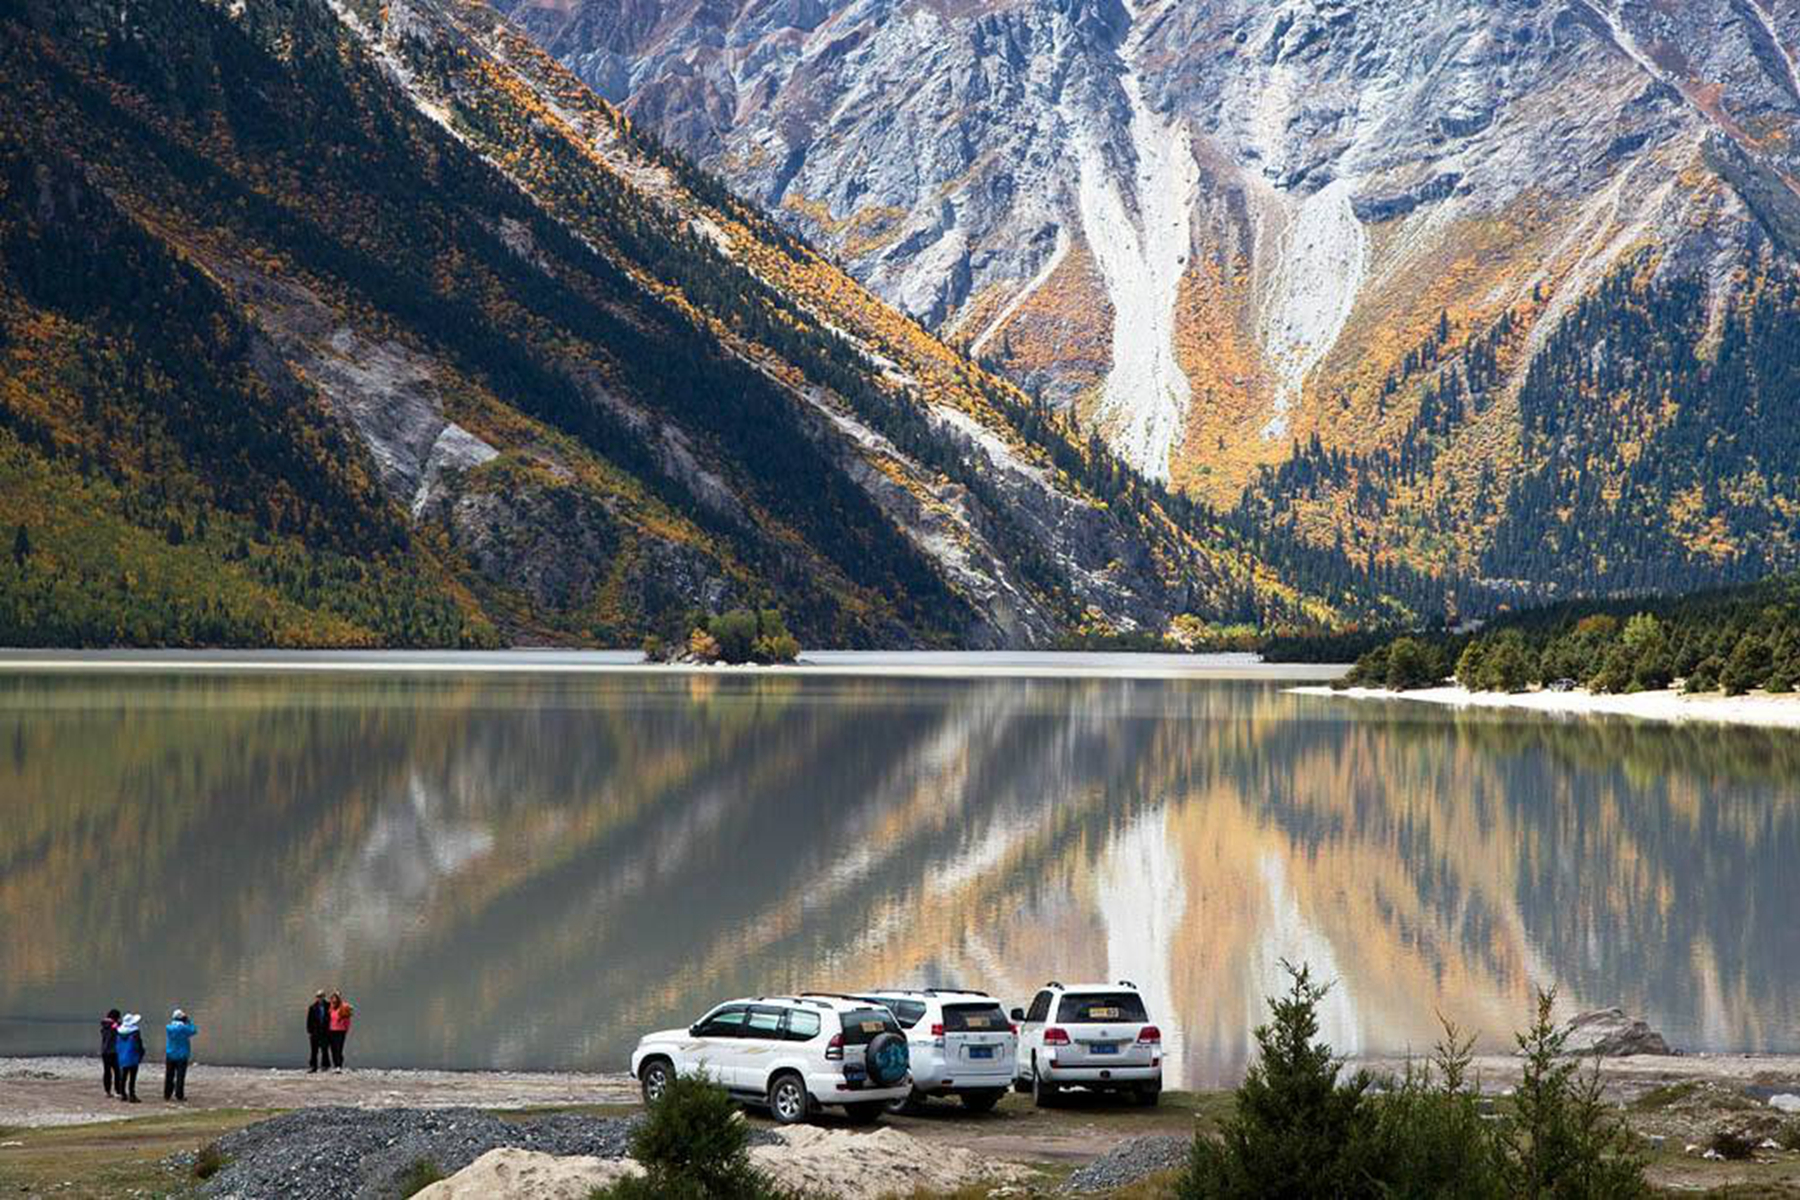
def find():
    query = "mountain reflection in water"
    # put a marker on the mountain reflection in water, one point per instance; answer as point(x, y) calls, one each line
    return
point(528, 872)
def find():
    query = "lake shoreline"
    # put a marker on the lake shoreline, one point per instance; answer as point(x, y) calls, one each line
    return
point(58, 1090)
point(1048, 664)
point(1758, 711)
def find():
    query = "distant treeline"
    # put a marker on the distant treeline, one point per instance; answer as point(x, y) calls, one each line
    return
point(1735, 640)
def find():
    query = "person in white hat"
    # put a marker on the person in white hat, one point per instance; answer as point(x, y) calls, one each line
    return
point(131, 1052)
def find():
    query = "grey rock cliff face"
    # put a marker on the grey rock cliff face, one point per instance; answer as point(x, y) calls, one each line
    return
point(1189, 219)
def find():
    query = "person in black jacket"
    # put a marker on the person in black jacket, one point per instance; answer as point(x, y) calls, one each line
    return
point(109, 1052)
point(318, 1032)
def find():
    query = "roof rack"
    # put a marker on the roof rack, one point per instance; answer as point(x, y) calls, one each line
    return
point(1054, 983)
point(955, 992)
point(1129, 984)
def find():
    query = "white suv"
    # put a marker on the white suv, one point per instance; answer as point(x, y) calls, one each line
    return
point(793, 1054)
point(1092, 1035)
point(961, 1044)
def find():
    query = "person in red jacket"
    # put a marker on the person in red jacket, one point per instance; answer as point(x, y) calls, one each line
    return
point(339, 1022)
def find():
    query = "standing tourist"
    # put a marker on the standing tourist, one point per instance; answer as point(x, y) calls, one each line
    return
point(109, 1050)
point(318, 1032)
point(339, 1021)
point(177, 1049)
point(130, 1046)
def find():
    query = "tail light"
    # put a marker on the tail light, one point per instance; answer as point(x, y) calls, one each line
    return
point(1056, 1037)
point(1150, 1033)
point(835, 1047)
point(1013, 1028)
point(937, 1031)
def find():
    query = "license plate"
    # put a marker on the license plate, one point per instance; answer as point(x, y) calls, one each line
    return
point(981, 1052)
point(854, 1073)
point(1104, 1048)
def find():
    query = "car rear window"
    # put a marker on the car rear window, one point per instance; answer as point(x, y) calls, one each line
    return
point(862, 1024)
point(802, 1026)
point(907, 1012)
point(975, 1018)
point(1091, 1008)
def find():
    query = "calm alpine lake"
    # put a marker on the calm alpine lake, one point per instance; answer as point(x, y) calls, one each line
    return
point(517, 869)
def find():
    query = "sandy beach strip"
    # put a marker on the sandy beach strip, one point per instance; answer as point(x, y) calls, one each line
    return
point(1775, 712)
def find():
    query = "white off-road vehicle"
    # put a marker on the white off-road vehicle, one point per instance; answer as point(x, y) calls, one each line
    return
point(793, 1054)
point(1089, 1035)
point(961, 1044)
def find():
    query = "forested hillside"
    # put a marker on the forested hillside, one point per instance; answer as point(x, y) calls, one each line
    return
point(369, 325)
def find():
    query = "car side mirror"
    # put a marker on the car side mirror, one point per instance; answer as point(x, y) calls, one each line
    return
point(693, 1031)
point(1018, 1014)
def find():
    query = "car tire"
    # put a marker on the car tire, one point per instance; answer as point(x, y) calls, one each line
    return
point(1022, 1085)
point(866, 1113)
point(982, 1101)
point(788, 1102)
point(1148, 1095)
point(909, 1105)
point(1043, 1094)
point(654, 1078)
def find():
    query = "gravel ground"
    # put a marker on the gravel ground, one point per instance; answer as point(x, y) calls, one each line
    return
point(327, 1153)
point(1129, 1162)
point(333, 1153)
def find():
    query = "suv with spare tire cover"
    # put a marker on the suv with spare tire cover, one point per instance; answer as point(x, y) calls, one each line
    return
point(791, 1054)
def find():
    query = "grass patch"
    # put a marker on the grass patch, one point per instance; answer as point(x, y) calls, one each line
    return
point(421, 1174)
point(1666, 1096)
point(113, 1160)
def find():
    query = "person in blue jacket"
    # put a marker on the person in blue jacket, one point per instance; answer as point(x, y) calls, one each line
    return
point(178, 1048)
point(130, 1047)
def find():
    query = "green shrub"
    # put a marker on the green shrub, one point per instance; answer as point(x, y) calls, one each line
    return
point(1789, 1134)
point(1299, 1129)
point(1503, 663)
point(693, 1145)
point(742, 636)
point(209, 1160)
point(1370, 669)
point(1747, 667)
point(1413, 664)
point(418, 1176)
point(1559, 1137)
point(1431, 1139)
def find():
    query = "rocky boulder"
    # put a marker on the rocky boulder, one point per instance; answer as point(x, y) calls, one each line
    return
point(1609, 1033)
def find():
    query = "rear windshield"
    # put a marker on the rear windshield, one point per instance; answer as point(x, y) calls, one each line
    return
point(862, 1024)
point(975, 1018)
point(908, 1012)
point(1099, 1007)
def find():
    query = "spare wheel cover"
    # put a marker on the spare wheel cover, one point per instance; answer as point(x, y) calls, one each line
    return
point(887, 1059)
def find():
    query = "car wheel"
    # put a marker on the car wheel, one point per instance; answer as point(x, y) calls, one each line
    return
point(654, 1079)
point(1043, 1094)
point(1148, 1095)
point(788, 1101)
point(864, 1114)
point(982, 1101)
point(909, 1105)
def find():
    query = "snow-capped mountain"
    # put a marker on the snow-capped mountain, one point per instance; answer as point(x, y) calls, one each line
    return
point(1220, 227)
